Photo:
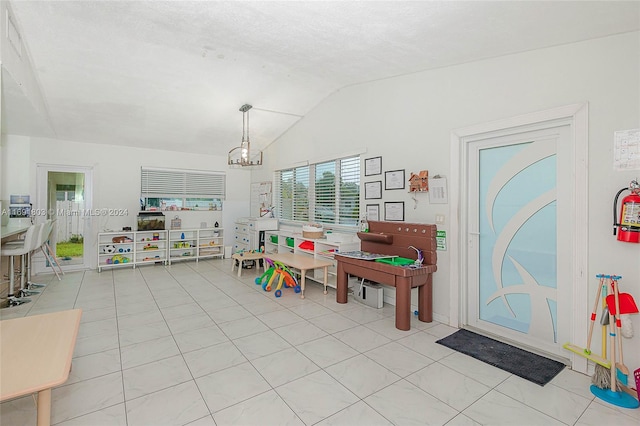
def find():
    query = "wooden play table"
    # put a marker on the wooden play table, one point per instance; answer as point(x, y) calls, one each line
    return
point(241, 257)
point(43, 345)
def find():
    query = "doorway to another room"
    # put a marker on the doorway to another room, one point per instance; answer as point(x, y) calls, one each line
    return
point(65, 191)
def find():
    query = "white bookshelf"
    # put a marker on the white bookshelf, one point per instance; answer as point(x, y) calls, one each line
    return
point(188, 244)
point(131, 248)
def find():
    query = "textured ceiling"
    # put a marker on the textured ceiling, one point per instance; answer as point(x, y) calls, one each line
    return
point(172, 75)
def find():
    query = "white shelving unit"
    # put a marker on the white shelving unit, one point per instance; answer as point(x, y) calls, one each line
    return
point(187, 244)
point(210, 243)
point(289, 242)
point(150, 247)
point(131, 248)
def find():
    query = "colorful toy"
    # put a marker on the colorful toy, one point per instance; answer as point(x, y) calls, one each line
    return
point(150, 247)
point(156, 236)
point(118, 258)
point(264, 278)
point(109, 249)
point(282, 273)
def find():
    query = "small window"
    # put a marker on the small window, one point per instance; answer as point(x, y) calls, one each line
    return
point(167, 189)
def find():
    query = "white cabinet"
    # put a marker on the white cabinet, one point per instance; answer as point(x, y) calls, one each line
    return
point(185, 244)
point(249, 232)
point(319, 248)
point(241, 235)
point(131, 248)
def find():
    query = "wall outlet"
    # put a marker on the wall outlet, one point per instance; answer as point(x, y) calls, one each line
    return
point(440, 219)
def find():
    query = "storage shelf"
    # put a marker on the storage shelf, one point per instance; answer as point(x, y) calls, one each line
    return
point(109, 251)
point(199, 241)
point(323, 249)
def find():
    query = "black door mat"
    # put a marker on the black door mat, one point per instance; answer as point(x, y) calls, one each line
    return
point(529, 366)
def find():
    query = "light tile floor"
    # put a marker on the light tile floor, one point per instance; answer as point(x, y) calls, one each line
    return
point(193, 344)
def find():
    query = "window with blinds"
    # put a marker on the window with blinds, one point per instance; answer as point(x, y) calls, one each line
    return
point(327, 192)
point(184, 189)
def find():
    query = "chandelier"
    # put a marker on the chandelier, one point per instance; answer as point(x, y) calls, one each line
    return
point(242, 155)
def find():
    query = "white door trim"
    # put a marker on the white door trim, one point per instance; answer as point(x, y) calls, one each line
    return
point(577, 115)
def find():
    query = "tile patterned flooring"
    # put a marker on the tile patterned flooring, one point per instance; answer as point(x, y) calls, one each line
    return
point(192, 344)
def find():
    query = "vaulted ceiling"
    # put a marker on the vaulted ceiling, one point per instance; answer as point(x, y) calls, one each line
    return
point(173, 74)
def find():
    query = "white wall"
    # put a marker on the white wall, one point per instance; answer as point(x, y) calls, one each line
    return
point(116, 178)
point(408, 121)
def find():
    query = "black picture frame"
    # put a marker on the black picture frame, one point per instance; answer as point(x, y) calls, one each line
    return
point(394, 179)
point(373, 166)
point(394, 211)
point(373, 190)
point(373, 212)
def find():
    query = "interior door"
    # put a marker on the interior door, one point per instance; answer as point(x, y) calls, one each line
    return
point(518, 270)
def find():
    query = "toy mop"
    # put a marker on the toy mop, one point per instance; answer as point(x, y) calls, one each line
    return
point(617, 394)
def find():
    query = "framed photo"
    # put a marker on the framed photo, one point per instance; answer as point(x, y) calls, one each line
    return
point(373, 190)
point(394, 179)
point(373, 212)
point(394, 211)
point(373, 166)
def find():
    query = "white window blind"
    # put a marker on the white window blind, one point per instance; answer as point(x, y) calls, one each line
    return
point(348, 196)
point(156, 183)
point(292, 186)
point(331, 197)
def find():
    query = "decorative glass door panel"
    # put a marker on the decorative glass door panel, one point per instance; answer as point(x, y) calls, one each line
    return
point(517, 226)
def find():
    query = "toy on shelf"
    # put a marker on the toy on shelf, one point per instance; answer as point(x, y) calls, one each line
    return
point(150, 247)
point(117, 259)
point(121, 239)
point(277, 270)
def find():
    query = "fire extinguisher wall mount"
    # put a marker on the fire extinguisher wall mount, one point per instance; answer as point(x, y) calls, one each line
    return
point(627, 227)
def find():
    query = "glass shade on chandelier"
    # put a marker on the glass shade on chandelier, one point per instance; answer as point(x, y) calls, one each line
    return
point(242, 155)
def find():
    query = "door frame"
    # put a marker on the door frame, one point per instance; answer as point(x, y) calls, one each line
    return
point(577, 117)
point(42, 179)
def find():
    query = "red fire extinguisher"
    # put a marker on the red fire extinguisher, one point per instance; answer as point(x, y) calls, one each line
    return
point(628, 227)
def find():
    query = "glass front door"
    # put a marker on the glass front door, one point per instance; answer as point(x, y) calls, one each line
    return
point(514, 258)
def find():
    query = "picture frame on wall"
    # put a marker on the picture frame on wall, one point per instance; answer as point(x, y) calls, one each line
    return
point(373, 190)
point(394, 179)
point(373, 212)
point(373, 166)
point(394, 211)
